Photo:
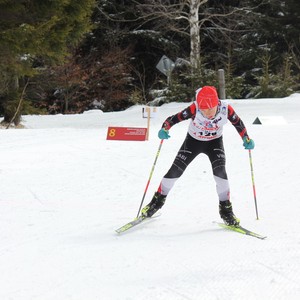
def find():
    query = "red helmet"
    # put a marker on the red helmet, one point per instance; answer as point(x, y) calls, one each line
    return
point(207, 97)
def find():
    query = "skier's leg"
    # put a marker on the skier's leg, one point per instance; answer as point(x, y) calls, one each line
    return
point(217, 158)
point(187, 152)
point(216, 154)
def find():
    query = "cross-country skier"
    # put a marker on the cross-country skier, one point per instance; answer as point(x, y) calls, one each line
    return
point(208, 115)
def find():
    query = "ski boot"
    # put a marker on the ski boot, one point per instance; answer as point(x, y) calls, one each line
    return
point(226, 213)
point(156, 203)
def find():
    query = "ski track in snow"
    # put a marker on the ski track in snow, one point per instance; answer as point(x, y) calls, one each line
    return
point(65, 189)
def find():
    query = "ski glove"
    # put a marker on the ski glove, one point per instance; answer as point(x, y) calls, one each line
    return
point(248, 143)
point(163, 134)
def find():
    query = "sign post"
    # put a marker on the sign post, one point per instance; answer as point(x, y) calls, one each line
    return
point(149, 112)
point(166, 66)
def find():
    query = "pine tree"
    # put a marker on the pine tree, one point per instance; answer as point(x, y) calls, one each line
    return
point(35, 34)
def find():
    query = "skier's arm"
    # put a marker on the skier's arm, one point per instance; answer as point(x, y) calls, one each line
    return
point(240, 127)
point(237, 122)
point(185, 114)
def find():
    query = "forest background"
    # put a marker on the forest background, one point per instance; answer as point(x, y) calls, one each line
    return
point(69, 56)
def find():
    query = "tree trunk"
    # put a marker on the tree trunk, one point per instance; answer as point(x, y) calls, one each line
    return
point(11, 101)
point(195, 32)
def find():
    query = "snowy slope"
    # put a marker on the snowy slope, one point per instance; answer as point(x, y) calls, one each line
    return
point(65, 189)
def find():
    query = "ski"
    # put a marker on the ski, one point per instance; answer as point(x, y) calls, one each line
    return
point(241, 230)
point(133, 223)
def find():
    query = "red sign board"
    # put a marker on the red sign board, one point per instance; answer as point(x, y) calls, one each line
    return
point(126, 133)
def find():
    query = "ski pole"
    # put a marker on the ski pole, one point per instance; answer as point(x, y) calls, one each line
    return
point(147, 185)
point(253, 184)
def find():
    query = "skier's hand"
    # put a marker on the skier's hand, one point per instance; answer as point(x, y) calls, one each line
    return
point(163, 134)
point(248, 143)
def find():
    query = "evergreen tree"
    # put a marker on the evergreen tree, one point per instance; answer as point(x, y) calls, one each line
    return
point(35, 34)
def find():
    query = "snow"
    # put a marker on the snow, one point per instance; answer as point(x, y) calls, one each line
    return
point(65, 189)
